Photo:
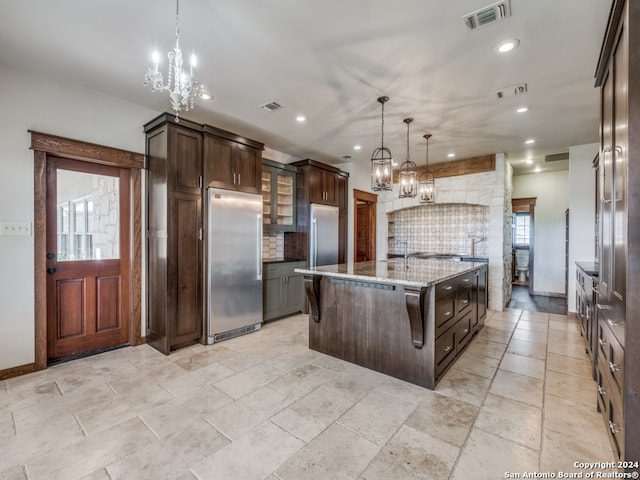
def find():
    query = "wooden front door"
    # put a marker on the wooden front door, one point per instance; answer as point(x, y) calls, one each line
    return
point(87, 237)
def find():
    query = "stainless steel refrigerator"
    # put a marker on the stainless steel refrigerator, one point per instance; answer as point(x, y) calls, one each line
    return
point(234, 264)
point(323, 235)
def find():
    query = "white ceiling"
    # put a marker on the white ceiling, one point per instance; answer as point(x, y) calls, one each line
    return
point(330, 60)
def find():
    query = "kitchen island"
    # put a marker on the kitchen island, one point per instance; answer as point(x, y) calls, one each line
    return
point(410, 323)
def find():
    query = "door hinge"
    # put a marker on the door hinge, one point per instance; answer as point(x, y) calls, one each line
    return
point(199, 234)
point(200, 182)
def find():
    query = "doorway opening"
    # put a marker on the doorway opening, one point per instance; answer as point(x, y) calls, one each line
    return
point(364, 221)
point(522, 224)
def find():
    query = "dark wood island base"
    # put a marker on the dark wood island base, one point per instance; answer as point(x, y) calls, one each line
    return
point(408, 323)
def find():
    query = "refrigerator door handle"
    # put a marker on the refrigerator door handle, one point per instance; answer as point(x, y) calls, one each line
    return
point(259, 246)
point(313, 261)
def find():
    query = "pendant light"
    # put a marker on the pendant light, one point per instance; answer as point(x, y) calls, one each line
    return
point(408, 172)
point(381, 171)
point(427, 187)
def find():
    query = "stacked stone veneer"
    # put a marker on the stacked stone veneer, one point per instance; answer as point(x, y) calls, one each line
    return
point(491, 190)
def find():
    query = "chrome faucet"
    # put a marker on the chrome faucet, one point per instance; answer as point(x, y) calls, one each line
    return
point(474, 241)
point(406, 252)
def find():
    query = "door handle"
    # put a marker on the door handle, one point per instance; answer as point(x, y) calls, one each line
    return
point(51, 270)
point(51, 255)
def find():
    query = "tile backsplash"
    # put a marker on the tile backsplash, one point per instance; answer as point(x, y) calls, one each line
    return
point(440, 228)
point(273, 246)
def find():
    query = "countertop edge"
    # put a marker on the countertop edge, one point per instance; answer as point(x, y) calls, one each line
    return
point(394, 281)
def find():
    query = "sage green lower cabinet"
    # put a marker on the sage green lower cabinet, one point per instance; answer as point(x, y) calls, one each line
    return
point(282, 290)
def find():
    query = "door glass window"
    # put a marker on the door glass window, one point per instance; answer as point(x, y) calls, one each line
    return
point(88, 223)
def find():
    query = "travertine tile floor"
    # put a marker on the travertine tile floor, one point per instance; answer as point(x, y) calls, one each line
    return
point(264, 406)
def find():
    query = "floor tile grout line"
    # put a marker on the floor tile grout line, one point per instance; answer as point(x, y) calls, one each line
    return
point(464, 444)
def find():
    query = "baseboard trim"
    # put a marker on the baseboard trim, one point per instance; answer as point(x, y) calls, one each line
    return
point(550, 294)
point(573, 315)
point(17, 371)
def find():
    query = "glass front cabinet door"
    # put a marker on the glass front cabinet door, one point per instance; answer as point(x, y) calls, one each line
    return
point(279, 196)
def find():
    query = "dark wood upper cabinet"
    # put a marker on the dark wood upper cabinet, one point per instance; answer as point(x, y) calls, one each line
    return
point(185, 160)
point(232, 165)
point(323, 186)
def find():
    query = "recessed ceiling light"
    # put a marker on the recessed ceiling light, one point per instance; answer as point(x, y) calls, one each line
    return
point(537, 169)
point(204, 95)
point(522, 109)
point(301, 118)
point(529, 161)
point(507, 45)
point(357, 147)
point(451, 155)
point(530, 141)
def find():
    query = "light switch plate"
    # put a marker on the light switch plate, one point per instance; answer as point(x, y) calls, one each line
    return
point(15, 228)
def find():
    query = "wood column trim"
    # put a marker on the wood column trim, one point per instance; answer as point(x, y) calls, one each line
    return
point(40, 255)
point(414, 300)
point(312, 287)
point(135, 272)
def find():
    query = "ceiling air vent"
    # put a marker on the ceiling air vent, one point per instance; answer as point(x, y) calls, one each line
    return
point(556, 157)
point(271, 106)
point(484, 16)
point(512, 91)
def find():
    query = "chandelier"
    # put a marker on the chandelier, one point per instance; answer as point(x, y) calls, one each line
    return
point(381, 171)
point(181, 85)
point(408, 171)
point(427, 187)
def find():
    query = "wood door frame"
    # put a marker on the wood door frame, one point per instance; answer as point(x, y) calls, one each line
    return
point(44, 144)
point(527, 205)
point(372, 198)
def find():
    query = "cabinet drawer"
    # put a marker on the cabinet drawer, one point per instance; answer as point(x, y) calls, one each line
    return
point(463, 330)
point(445, 350)
point(445, 288)
point(465, 280)
point(615, 423)
point(281, 269)
point(444, 314)
point(614, 360)
point(603, 392)
point(464, 300)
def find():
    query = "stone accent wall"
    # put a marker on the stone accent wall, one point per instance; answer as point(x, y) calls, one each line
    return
point(489, 189)
point(273, 246)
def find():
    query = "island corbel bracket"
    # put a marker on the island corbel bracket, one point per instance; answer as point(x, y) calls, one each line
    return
point(414, 300)
point(312, 287)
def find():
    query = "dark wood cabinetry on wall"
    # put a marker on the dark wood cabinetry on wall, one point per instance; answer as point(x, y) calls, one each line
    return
point(232, 165)
point(324, 184)
point(179, 158)
point(618, 305)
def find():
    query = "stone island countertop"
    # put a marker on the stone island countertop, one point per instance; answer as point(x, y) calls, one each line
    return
point(421, 272)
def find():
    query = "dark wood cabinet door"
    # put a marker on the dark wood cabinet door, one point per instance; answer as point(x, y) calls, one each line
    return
point(218, 162)
point(247, 166)
point(185, 161)
point(314, 183)
point(185, 303)
point(330, 187)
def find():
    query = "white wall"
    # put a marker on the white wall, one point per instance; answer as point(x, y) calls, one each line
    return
point(32, 103)
point(551, 190)
point(582, 212)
